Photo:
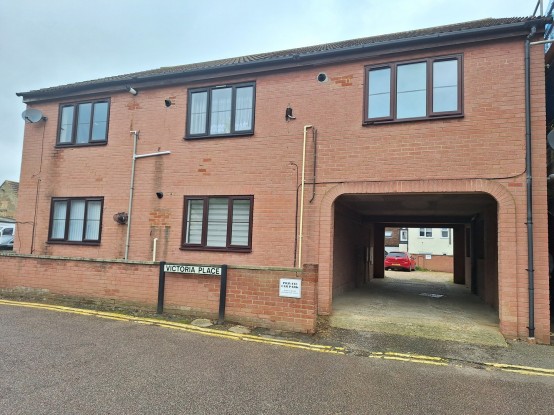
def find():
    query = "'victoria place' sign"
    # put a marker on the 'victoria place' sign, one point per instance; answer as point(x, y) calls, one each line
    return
point(193, 269)
point(199, 269)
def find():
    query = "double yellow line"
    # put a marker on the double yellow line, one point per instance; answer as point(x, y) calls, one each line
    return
point(403, 357)
point(523, 370)
point(180, 326)
point(439, 361)
point(409, 357)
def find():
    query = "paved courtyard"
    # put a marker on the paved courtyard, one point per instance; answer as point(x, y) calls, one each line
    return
point(423, 304)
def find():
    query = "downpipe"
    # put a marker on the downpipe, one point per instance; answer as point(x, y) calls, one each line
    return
point(528, 165)
point(299, 264)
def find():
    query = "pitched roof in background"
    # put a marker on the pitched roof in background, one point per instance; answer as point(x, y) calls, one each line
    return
point(9, 185)
point(470, 28)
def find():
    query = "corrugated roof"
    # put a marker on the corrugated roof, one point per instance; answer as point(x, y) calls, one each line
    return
point(304, 52)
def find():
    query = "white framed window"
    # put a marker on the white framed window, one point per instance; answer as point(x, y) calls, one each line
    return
point(445, 232)
point(425, 232)
point(388, 234)
point(403, 235)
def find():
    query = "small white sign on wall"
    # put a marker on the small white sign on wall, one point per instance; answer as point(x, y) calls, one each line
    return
point(290, 287)
point(428, 256)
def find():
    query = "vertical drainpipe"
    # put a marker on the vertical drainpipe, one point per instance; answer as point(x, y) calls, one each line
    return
point(131, 191)
point(528, 165)
point(299, 265)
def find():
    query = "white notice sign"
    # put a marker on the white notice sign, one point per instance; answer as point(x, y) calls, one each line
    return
point(192, 269)
point(290, 287)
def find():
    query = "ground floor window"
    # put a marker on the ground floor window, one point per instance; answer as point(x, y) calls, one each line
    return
point(76, 220)
point(218, 223)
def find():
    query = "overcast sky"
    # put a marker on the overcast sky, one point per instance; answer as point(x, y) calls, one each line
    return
point(55, 42)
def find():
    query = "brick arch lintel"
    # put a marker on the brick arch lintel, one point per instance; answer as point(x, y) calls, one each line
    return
point(506, 209)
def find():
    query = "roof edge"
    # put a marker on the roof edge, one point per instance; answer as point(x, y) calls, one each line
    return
point(511, 29)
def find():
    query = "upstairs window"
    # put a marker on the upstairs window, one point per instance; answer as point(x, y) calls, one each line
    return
point(76, 220)
point(218, 223)
point(425, 232)
point(83, 123)
point(427, 88)
point(221, 111)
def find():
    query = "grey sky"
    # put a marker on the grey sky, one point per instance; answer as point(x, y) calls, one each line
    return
point(49, 43)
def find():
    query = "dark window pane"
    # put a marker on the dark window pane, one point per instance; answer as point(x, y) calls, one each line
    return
point(411, 90)
point(445, 86)
point(58, 220)
point(195, 214)
point(217, 222)
point(66, 125)
point(379, 93)
point(100, 123)
point(244, 108)
point(220, 121)
point(83, 123)
point(76, 220)
point(92, 231)
point(198, 112)
point(240, 222)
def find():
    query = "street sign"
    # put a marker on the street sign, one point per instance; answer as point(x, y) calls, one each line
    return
point(214, 270)
point(193, 269)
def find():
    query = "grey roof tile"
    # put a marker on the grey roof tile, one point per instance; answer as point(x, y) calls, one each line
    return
point(288, 53)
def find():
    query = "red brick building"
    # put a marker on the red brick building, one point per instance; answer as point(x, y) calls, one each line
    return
point(286, 164)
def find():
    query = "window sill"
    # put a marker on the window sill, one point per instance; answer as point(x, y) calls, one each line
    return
point(208, 249)
point(438, 117)
point(71, 145)
point(73, 243)
point(203, 137)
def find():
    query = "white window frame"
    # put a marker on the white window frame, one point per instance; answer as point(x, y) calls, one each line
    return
point(426, 233)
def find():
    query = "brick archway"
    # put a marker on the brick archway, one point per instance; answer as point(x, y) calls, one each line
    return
point(507, 271)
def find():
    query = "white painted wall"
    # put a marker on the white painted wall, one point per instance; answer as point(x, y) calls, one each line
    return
point(436, 244)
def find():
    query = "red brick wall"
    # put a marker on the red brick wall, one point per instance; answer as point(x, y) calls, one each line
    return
point(486, 145)
point(252, 294)
point(394, 239)
point(441, 263)
point(351, 237)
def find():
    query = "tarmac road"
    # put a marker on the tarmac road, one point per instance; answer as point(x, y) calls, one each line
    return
point(61, 363)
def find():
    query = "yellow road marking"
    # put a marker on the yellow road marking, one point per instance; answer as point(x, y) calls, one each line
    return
point(180, 326)
point(408, 357)
point(404, 357)
point(525, 370)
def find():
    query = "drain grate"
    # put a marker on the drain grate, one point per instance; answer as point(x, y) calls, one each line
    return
point(432, 295)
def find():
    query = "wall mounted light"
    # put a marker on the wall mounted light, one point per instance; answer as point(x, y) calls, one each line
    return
point(168, 103)
point(288, 114)
point(131, 90)
point(160, 194)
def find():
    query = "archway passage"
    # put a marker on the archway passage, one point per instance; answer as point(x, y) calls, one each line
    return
point(462, 305)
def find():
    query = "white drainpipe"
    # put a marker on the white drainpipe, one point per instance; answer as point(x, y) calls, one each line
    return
point(299, 264)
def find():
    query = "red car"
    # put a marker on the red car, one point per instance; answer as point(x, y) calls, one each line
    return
point(400, 260)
